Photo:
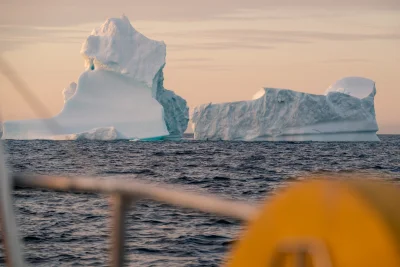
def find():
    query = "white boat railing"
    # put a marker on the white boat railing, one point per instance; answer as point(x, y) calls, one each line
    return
point(137, 190)
point(124, 195)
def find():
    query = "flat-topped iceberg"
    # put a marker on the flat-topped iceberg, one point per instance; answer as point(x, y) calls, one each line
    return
point(345, 113)
point(119, 96)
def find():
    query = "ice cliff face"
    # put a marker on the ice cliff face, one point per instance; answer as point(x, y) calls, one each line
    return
point(120, 95)
point(286, 115)
point(176, 111)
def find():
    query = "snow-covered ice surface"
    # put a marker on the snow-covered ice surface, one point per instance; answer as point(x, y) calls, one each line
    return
point(355, 86)
point(119, 96)
point(286, 115)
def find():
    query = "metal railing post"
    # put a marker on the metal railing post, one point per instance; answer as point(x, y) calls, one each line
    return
point(7, 218)
point(120, 206)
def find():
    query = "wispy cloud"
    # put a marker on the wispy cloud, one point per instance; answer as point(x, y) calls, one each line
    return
point(249, 39)
point(345, 60)
point(15, 36)
point(195, 63)
point(191, 59)
point(218, 36)
point(283, 13)
point(297, 36)
point(72, 12)
point(218, 46)
point(202, 67)
point(267, 39)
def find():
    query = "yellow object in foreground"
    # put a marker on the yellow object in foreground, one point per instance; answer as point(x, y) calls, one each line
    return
point(323, 223)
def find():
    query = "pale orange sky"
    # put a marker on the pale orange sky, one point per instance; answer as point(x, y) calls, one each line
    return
point(217, 51)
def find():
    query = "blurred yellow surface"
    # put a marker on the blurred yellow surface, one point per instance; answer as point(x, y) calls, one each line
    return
point(324, 223)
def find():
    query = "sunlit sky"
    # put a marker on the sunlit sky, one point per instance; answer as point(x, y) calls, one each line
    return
point(217, 51)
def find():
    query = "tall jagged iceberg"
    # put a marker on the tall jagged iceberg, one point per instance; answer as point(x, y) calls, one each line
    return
point(119, 96)
point(345, 113)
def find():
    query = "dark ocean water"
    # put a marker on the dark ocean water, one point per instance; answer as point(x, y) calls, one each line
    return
point(62, 229)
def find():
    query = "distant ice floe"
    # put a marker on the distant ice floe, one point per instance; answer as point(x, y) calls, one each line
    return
point(103, 134)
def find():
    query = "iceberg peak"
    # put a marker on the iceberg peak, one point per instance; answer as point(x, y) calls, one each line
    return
point(118, 47)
